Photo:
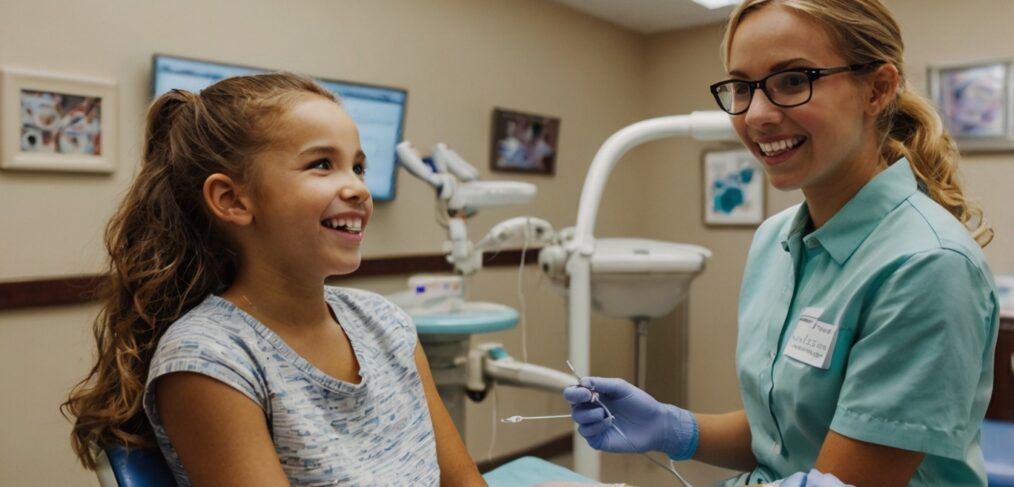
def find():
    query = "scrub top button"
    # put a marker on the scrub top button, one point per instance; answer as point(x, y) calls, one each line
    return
point(776, 448)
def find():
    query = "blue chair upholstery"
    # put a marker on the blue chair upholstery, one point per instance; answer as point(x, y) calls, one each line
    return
point(532, 471)
point(139, 467)
point(997, 445)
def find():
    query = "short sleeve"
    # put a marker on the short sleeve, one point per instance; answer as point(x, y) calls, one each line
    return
point(403, 322)
point(207, 350)
point(914, 371)
point(378, 310)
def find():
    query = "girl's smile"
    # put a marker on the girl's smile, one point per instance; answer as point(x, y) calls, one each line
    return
point(310, 202)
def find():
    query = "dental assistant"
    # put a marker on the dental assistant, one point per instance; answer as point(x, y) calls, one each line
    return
point(868, 316)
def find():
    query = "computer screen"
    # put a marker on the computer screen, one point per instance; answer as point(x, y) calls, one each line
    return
point(378, 111)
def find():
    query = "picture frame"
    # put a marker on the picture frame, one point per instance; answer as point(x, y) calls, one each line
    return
point(734, 189)
point(975, 103)
point(57, 123)
point(523, 142)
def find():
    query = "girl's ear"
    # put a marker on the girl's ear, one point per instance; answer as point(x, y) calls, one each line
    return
point(226, 200)
point(883, 88)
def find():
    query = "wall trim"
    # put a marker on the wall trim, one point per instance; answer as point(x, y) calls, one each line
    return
point(62, 291)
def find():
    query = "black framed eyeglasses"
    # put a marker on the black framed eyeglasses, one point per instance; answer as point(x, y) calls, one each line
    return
point(787, 88)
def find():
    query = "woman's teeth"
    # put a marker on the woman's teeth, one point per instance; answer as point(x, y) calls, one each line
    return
point(775, 148)
point(351, 224)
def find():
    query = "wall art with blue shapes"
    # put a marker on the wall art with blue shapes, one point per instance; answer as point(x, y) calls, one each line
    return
point(733, 188)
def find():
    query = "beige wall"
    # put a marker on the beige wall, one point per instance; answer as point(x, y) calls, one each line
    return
point(458, 59)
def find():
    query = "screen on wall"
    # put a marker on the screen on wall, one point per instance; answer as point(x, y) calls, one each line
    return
point(378, 111)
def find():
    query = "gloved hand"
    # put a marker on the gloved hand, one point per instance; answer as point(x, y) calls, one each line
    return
point(813, 478)
point(648, 424)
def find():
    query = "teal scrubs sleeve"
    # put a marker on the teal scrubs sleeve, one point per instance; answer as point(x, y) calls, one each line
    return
point(913, 372)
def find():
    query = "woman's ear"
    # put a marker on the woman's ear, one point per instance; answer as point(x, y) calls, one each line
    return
point(883, 85)
point(226, 200)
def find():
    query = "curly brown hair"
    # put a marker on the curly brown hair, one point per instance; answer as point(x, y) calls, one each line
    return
point(165, 253)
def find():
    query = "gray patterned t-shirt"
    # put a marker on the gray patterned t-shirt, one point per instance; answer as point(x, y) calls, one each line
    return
point(325, 431)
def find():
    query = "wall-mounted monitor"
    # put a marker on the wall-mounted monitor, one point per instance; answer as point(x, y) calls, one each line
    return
point(378, 111)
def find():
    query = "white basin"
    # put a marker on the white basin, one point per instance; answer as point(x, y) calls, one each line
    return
point(639, 278)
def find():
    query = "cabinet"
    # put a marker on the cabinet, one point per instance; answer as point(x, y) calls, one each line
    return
point(1001, 406)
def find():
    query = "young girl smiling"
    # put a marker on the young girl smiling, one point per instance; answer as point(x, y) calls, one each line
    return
point(219, 325)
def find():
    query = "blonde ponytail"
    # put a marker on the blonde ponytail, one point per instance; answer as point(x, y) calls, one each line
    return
point(914, 131)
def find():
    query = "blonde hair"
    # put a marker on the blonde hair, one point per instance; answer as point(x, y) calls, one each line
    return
point(165, 253)
point(865, 31)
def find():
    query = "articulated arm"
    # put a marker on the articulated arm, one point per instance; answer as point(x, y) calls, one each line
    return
point(491, 362)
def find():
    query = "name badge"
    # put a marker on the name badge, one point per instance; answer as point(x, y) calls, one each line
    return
point(812, 342)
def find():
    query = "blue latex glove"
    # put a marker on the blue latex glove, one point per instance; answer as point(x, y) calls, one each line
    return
point(648, 424)
point(813, 478)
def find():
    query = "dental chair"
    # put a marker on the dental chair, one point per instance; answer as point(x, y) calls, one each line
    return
point(530, 472)
point(997, 445)
point(136, 467)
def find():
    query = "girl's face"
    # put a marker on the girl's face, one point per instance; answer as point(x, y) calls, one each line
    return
point(816, 146)
point(311, 203)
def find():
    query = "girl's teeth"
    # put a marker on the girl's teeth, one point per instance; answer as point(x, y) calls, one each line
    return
point(345, 224)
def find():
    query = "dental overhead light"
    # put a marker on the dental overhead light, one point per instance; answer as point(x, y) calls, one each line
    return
point(716, 4)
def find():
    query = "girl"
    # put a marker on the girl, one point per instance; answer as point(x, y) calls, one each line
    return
point(867, 315)
point(251, 371)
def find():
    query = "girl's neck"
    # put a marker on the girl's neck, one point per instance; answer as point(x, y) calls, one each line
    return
point(279, 301)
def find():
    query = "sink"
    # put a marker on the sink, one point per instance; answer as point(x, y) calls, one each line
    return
point(640, 278)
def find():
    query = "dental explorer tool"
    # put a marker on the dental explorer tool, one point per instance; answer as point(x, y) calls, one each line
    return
point(573, 371)
point(518, 419)
point(671, 468)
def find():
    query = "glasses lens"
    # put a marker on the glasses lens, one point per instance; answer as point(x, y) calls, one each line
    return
point(789, 89)
point(734, 96)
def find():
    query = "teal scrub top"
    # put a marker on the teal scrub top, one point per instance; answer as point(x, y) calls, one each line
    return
point(880, 326)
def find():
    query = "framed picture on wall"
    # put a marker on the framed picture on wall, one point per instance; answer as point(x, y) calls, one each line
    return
point(524, 142)
point(56, 123)
point(975, 103)
point(734, 189)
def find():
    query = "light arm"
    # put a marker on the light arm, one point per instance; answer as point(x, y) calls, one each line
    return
point(447, 158)
point(411, 161)
point(527, 230)
point(712, 125)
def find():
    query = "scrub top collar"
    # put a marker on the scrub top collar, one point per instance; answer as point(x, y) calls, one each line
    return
point(855, 221)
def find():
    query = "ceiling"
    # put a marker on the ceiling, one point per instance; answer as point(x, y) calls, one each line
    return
point(649, 16)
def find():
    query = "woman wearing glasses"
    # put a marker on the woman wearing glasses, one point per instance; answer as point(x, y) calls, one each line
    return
point(867, 315)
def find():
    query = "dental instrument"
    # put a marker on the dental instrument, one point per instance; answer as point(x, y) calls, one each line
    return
point(457, 188)
point(518, 419)
point(449, 160)
point(671, 468)
point(490, 362)
point(574, 371)
point(444, 319)
point(636, 279)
